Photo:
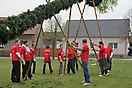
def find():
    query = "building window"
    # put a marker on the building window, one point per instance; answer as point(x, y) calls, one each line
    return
point(114, 45)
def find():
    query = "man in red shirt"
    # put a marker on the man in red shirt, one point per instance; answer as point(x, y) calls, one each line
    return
point(61, 58)
point(102, 58)
point(85, 59)
point(75, 59)
point(47, 55)
point(109, 56)
point(25, 53)
point(16, 57)
point(70, 64)
point(33, 57)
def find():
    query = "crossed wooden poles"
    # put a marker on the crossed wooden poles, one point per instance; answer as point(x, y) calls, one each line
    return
point(67, 36)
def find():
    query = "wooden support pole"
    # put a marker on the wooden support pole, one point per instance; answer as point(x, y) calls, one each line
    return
point(99, 28)
point(68, 38)
point(80, 22)
point(97, 21)
point(29, 67)
point(89, 36)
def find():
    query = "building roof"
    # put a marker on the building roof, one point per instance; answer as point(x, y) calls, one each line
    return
point(32, 31)
point(109, 28)
point(3, 18)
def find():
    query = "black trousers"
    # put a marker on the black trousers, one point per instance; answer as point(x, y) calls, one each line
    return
point(50, 67)
point(70, 65)
point(34, 66)
point(15, 75)
point(24, 70)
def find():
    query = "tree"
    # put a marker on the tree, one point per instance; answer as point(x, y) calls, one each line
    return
point(52, 32)
point(107, 5)
point(22, 22)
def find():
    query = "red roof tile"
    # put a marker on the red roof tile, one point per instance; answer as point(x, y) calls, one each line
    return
point(31, 31)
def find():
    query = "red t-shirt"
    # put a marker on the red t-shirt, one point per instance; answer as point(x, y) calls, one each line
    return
point(60, 54)
point(85, 53)
point(70, 54)
point(109, 51)
point(106, 50)
point(20, 50)
point(32, 52)
point(75, 45)
point(47, 54)
point(13, 52)
point(102, 52)
point(25, 54)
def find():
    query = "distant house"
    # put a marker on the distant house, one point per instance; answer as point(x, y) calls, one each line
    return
point(114, 31)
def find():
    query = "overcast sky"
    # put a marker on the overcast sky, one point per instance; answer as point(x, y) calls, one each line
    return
point(14, 7)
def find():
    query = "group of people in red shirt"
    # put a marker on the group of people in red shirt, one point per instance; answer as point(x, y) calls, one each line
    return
point(105, 58)
point(72, 59)
point(21, 52)
point(25, 55)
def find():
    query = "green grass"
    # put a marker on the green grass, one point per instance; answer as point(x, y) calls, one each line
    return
point(120, 77)
point(114, 56)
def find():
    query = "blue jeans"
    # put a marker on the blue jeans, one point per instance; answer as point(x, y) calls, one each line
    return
point(105, 63)
point(86, 72)
point(75, 63)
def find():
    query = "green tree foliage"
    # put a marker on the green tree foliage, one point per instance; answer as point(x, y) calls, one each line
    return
point(107, 5)
point(18, 24)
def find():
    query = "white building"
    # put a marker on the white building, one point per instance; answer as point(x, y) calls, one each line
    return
point(114, 31)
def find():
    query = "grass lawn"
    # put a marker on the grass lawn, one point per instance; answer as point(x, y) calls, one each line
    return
point(120, 77)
